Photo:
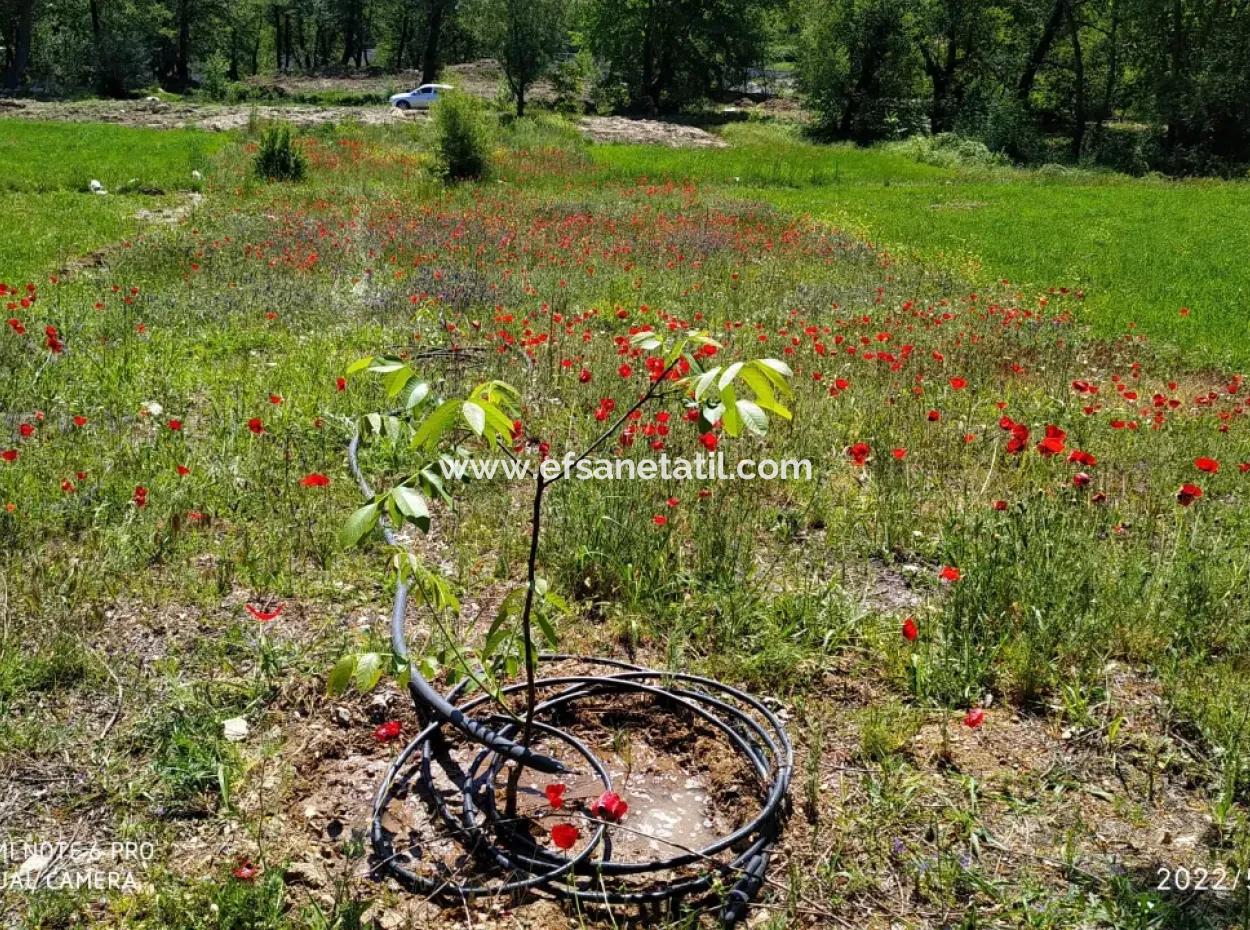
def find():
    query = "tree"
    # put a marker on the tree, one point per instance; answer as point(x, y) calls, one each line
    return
point(19, 23)
point(667, 53)
point(859, 66)
point(524, 35)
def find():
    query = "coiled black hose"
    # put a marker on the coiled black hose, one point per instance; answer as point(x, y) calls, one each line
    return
point(509, 860)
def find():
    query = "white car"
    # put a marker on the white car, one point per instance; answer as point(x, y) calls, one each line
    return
point(421, 98)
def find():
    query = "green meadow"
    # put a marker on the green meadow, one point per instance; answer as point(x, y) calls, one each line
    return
point(1006, 624)
point(1141, 249)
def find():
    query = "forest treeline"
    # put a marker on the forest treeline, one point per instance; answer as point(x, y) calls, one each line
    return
point(1135, 84)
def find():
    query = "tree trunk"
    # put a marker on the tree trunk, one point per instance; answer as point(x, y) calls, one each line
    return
point(16, 70)
point(401, 44)
point(430, 60)
point(1178, 130)
point(233, 73)
point(277, 38)
point(942, 80)
point(1078, 90)
point(108, 81)
point(1040, 50)
point(1113, 65)
point(182, 61)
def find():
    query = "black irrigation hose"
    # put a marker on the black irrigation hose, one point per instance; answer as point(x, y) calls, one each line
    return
point(512, 858)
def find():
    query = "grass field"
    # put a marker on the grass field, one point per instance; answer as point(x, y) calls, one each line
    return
point(1140, 249)
point(1006, 622)
point(42, 157)
point(53, 221)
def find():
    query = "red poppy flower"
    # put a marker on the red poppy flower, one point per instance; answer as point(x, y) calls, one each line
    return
point(910, 630)
point(608, 806)
point(26, 430)
point(974, 718)
point(1187, 494)
point(340, 384)
point(255, 425)
point(555, 795)
point(140, 496)
point(624, 371)
point(80, 420)
point(182, 470)
point(708, 441)
point(315, 480)
point(958, 383)
point(1081, 479)
point(1210, 466)
point(265, 615)
point(275, 399)
point(859, 453)
point(9, 455)
point(999, 505)
point(934, 416)
point(949, 573)
point(388, 731)
point(659, 519)
point(584, 376)
point(245, 871)
point(175, 425)
point(565, 835)
point(899, 454)
point(672, 502)
point(1082, 458)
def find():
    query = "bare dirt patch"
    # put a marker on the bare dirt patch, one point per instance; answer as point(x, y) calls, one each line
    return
point(157, 114)
point(647, 132)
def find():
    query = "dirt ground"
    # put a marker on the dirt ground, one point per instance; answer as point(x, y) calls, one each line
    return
point(157, 114)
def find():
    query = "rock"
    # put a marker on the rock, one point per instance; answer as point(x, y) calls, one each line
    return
point(235, 729)
point(307, 873)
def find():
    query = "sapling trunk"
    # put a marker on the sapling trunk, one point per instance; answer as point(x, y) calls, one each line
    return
point(527, 637)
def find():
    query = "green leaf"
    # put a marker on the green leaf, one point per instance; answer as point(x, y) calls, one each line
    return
point(545, 625)
point(397, 380)
point(475, 416)
point(358, 366)
point(368, 671)
point(731, 417)
point(418, 392)
point(752, 416)
point(435, 425)
point(412, 505)
point(703, 339)
point(753, 378)
point(705, 382)
point(776, 408)
point(728, 375)
point(341, 675)
point(386, 366)
point(357, 525)
point(777, 371)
